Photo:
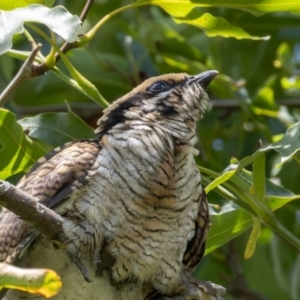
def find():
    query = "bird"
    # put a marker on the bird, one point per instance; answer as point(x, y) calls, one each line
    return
point(131, 198)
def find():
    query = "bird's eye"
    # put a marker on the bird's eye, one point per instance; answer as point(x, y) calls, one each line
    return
point(158, 86)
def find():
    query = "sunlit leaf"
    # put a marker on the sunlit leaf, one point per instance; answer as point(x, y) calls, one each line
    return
point(257, 189)
point(291, 82)
point(252, 6)
point(215, 26)
point(255, 234)
point(219, 180)
point(288, 145)
point(9, 5)
point(17, 151)
point(227, 224)
point(58, 19)
point(264, 103)
point(284, 58)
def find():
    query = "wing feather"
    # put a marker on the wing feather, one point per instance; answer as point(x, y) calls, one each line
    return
point(52, 180)
point(196, 246)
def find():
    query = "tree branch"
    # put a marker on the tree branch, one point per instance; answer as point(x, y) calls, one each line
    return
point(37, 215)
point(24, 73)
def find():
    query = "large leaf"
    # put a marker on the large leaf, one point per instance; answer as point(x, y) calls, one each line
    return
point(212, 26)
point(252, 6)
point(227, 224)
point(17, 151)
point(57, 128)
point(288, 145)
point(58, 19)
point(187, 11)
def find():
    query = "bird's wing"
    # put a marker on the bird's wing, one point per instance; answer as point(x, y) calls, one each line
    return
point(52, 180)
point(196, 246)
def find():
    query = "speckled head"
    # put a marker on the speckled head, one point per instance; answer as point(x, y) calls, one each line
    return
point(174, 102)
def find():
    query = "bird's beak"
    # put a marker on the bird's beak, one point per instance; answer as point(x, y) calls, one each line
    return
point(203, 78)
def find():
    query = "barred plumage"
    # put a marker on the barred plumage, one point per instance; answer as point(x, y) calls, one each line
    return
point(134, 192)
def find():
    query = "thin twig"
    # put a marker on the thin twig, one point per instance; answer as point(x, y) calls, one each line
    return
point(24, 73)
point(29, 209)
point(67, 46)
point(86, 9)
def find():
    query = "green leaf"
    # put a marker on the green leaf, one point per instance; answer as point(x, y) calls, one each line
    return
point(253, 6)
point(227, 224)
point(17, 151)
point(275, 196)
point(291, 83)
point(43, 282)
point(284, 58)
point(288, 145)
point(264, 103)
point(9, 5)
point(226, 175)
point(57, 128)
point(260, 209)
point(255, 234)
point(214, 26)
point(257, 189)
point(58, 19)
point(187, 11)
point(231, 221)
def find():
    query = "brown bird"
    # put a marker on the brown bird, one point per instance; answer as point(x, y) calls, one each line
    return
point(131, 198)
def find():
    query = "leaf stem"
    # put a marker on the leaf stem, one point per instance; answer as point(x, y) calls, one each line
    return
point(208, 171)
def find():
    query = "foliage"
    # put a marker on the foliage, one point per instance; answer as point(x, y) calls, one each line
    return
point(249, 140)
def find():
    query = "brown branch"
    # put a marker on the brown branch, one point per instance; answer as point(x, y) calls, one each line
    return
point(86, 9)
point(31, 211)
point(24, 73)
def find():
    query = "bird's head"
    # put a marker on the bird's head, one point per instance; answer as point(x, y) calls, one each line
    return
point(174, 102)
